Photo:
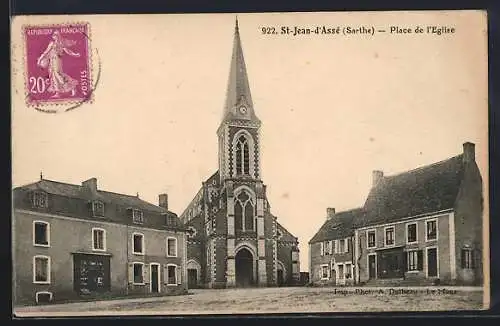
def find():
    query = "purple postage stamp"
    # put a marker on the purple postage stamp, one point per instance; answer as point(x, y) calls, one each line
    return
point(58, 64)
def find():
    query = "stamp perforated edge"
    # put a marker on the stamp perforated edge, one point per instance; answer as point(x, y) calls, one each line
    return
point(90, 64)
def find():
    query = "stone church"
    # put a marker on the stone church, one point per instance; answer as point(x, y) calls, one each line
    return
point(234, 240)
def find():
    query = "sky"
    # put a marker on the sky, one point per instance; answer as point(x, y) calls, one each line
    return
point(333, 108)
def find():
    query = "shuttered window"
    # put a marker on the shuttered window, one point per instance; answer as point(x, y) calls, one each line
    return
point(467, 258)
point(371, 238)
point(414, 260)
point(41, 233)
point(138, 273)
point(41, 269)
point(172, 274)
point(411, 233)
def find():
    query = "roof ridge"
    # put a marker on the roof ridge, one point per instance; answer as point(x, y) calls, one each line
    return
point(349, 210)
point(98, 191)
point(117, 193)
point(60, 182)
point(422, 167)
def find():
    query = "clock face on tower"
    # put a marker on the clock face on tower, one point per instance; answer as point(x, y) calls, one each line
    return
point(243, 110)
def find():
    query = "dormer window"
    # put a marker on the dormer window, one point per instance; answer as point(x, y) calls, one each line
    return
point(170, 220)
point(98, 208)
point(39, 199)
point(137, 216)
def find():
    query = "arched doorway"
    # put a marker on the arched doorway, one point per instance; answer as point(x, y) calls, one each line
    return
point(281, 274)
point(244, 268)
point(193, 271)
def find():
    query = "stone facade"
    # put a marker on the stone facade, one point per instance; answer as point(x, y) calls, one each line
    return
point(331, 250)
point(234, 239)
point(61, 250)
point(422, 226)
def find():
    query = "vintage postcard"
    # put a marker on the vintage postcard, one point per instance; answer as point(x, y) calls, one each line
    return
point(179, 164)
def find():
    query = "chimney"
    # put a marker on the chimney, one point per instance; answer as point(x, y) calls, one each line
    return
point(90, 184)
point(469, 152)
point(163, 201)
point(330, 213)
point(377, 176)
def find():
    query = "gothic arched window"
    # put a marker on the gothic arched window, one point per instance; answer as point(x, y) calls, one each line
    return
point(248, 216)
point(238, 216)
point(242, 156)
point(243, 212)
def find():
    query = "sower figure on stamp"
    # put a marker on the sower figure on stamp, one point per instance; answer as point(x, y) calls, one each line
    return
point(60, 82)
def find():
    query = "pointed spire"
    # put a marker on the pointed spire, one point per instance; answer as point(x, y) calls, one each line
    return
point(238, 88)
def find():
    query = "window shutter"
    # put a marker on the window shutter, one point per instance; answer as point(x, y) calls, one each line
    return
point(179, 275)
point(349, 245)
point(145, 273)
point(130, 273)
point(165, 274)
point(420, 260)
point(463, 258)
point(406, 261)
point(321, 249)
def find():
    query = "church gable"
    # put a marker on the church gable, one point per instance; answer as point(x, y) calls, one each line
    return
point(194, 208)
point(283, 235)
point(194, 228)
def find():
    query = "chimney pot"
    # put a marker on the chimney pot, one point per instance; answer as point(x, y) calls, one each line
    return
point(163, 201)
point(469, 152)
point(90, 184)
point(377, 175)
point(330, 213)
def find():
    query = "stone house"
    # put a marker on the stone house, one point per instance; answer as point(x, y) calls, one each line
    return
point(425, 225)
point(331, 249)
point(422, 226)
point(73, 241)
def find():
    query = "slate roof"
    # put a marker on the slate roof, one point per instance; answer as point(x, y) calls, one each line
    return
point(339, 227)
point(213, 179)
point(73, 200)
point(424, 190)
point(80, 192)
point(286, 235)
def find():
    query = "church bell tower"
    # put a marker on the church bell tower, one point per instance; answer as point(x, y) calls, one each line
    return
point(240, 177)
point(238, 133)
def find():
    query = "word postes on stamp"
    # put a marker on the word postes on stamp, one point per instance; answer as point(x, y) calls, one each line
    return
point(58, 64)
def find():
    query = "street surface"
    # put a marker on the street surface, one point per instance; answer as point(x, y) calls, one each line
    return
point(275, 300)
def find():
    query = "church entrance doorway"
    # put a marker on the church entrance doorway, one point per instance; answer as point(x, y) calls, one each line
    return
point(244, 268)
point(281, 279)
point(192, 278)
